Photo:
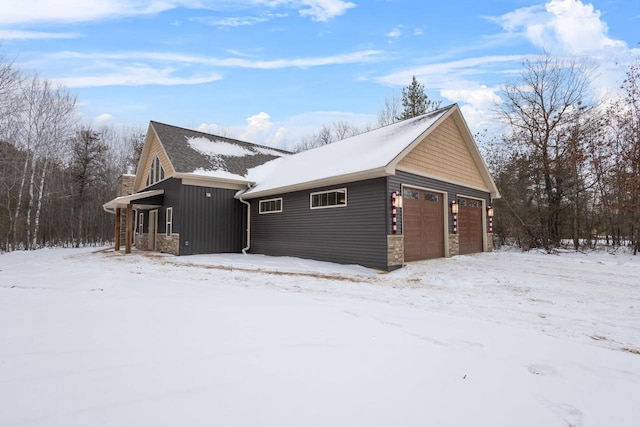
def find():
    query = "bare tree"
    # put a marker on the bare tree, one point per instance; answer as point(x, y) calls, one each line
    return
point(390, 111)
point(328, 134)
point(44, 125)
point(86, 168)
point(621, 185)
point(547, 109)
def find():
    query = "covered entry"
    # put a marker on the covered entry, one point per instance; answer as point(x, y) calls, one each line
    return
point(470, 228)
point(422, 224)
point(142, 200)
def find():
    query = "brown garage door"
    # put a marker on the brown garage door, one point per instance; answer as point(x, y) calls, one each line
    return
point(422, 224)
point(469, 225)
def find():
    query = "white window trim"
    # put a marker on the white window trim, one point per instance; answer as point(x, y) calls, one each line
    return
point(169, 224)
point(328, 191)
point(261, 212)
point(155, 169)
point(141, 223)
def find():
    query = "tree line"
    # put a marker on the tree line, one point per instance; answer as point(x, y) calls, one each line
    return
point(55, 173)
point(568, 164)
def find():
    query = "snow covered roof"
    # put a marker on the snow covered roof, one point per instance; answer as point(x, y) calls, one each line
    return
point(209, 155)
point(366, 155)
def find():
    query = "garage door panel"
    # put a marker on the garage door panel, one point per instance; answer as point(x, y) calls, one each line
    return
point(470, 228)
point(422, 225)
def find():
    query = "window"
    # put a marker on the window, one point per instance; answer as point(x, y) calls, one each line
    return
point(140, 223)
point(271, 206)
point(431, 197)
point(169, 227)
point(462, 202)
point(473, 203)
point(411, 194)
point(329, 199)
point(156, 173)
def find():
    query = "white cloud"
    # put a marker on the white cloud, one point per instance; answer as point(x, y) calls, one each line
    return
point(458, 74)
point(325, 10)
point(395, 33)
point(29, 11)
point(135, 76)
point(211, 128)
point(278, 138)
point(418, 31)
point(258, 124)
point(268, 64)
point(238, 21)
point(103, 118)
point(34, 35)
point(562, 26)
point(25, 11)
point(477, 105)
point(111, 69)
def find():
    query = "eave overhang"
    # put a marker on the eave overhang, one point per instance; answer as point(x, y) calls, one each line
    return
point(123, 201)
point(325, 182)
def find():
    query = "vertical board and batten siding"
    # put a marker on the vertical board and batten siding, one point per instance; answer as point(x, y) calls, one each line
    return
point(213, 224)
point(453, 190)
point(354, 234)
point(170, 198)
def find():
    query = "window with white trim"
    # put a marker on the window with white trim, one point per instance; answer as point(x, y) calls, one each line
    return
point(156, 173)
point(329, 199)
point(140, 223)
point(169, 227)
point(271, 206)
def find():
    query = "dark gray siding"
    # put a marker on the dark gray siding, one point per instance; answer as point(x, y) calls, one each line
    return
point(206, 224)
point(171, 198)
point(354, 234)
point(453, 190)
point(210, 224)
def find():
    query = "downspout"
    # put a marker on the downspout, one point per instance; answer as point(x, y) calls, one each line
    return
point(245, 249)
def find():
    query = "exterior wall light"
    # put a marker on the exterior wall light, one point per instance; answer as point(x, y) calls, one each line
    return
point(490, 215)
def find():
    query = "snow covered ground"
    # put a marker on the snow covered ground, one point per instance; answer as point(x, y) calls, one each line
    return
point(96, 338)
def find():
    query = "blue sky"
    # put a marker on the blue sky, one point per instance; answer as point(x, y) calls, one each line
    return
point(271, 71)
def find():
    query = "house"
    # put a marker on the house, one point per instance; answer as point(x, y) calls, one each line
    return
point(413, 190)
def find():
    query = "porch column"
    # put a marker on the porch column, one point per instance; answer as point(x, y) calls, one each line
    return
point(118, 219)
point(129, 228)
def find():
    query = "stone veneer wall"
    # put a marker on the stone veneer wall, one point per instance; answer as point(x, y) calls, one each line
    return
point(395, 250)
point(125, 185)
point(142, 241)
point(454, 244)
point(168, 244)
point(489, 242)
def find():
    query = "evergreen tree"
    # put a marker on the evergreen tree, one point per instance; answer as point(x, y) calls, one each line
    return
point(415, 101)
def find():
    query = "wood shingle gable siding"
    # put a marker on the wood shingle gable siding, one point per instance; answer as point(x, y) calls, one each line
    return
point(155, 149)
point(443, 154)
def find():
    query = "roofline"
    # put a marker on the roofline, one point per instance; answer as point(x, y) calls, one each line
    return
point(409, 148)
point(454, 110)
point(123, 201)
point(226, 138)
point(324, 182)
point(145, 154)
point(189, 178)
